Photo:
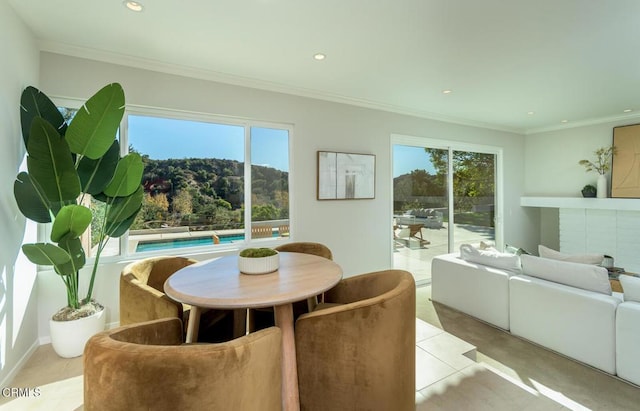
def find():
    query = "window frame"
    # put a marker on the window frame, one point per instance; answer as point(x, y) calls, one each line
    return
point(454, 145)
point(174, 114)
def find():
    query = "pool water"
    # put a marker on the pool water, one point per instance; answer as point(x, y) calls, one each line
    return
point(187, 242)
point(184, 242)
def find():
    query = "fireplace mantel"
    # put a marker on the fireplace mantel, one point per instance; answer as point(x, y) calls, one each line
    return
point(631, 204)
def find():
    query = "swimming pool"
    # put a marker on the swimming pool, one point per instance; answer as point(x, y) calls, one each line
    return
point(184, 242)
point(165, 244)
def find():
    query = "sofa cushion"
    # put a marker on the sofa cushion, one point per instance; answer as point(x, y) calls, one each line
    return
point(546, 252)
point(491, 257)
point(630, 287)
point(585, 276)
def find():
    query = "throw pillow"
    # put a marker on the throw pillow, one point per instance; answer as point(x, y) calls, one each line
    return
point(486, 246)
point(546, 252)
point(491, 258)
point(630, 287)
point(515, 250)
point(586, 276)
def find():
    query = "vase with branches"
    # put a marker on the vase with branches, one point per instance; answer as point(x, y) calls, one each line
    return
point(601, 165)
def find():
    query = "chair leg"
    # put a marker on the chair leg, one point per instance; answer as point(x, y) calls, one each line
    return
point(251, 321)
point(312, 302)
point(240, 322)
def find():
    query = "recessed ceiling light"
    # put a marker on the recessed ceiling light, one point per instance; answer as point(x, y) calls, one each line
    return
point(133, 5)
point(447, 91)
point(531, 113)
point(319, 56)
point(628, 110)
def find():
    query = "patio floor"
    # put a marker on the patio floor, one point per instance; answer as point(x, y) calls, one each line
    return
point(417, 260)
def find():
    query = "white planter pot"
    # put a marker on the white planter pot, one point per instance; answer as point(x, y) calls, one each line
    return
point(602, 186)
point(259, 265)
point(68, 338)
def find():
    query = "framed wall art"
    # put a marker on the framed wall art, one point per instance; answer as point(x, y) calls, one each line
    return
point(346, 176)
point(625, 172)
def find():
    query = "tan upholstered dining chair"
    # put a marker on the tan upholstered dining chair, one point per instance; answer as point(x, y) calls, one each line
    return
point(306, 247)
point(357, 349)
point(263, 317)
point(146, 366)
point(142, 298)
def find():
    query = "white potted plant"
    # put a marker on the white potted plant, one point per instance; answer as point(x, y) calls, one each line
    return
point(258, 260)
point(68, 164)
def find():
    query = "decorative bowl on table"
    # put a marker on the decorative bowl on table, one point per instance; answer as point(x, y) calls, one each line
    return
point(258, 261)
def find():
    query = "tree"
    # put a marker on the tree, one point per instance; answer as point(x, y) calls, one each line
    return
point(473, 175)
point(264, 212)
point(154, 208)
point(182, 203)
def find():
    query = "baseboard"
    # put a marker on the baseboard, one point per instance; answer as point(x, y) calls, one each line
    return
point(47, 338)
point(15, 370)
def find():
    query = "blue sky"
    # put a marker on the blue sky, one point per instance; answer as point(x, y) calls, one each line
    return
point(409, 158)
point(163, 138)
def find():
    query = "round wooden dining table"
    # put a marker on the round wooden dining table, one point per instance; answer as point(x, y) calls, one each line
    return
point(218, 283)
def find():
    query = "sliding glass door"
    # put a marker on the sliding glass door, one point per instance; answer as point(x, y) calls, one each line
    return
point(442, 197)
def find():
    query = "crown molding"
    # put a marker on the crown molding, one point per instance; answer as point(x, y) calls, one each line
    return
point(211, 75)
point(584, 123)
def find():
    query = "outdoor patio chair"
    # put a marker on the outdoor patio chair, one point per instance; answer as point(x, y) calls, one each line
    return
point(421, 235)
point(261, 231)
point(283, 230)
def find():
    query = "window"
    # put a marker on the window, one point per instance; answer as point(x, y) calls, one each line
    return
point(207, 183)
point(201, 177)
point(443, 196)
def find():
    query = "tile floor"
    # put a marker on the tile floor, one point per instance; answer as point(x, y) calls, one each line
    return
point(446, 367)
point(461, 364)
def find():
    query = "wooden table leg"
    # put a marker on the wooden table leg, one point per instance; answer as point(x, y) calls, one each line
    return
point(290, 396)
point(193, 325)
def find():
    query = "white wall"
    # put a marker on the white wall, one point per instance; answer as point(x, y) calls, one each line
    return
point(18, 319)
point(551, 161)
point(552, 169)
point(358, 232)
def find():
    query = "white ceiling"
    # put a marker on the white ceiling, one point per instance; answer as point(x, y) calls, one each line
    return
point(574, 60)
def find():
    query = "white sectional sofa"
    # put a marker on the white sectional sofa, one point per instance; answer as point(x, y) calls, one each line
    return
point(581, 319)
point(628, 331)
point(478, 290)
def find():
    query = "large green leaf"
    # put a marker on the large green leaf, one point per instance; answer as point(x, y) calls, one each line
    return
point(121, 208)
point(49, 254)
point(95, 126)
point(127, 177)
point(50, 163)
point(116, 229)
point(96, 174)
point(73, 246)
point(71, 221)
point(35, 103)
point(32, 204)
